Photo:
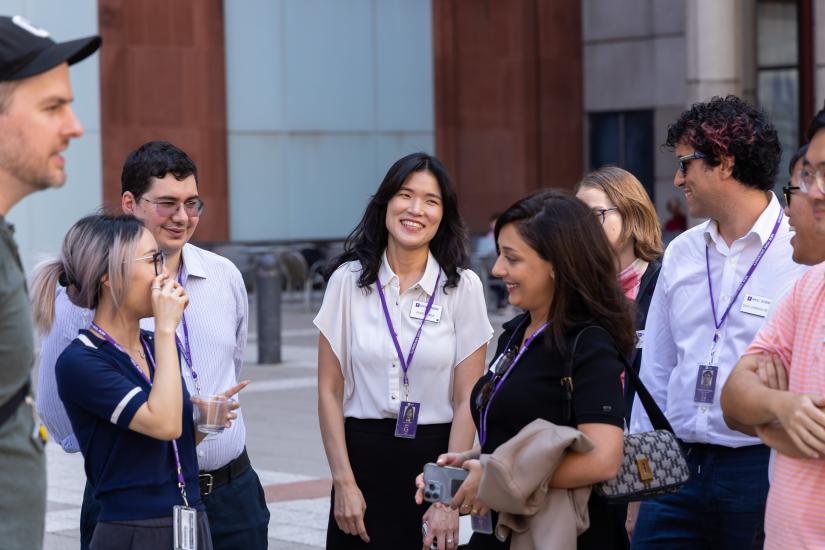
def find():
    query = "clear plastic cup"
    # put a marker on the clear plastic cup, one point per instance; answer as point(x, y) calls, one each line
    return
point(210, 413)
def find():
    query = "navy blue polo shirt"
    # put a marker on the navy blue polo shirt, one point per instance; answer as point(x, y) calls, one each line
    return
point(133, 474)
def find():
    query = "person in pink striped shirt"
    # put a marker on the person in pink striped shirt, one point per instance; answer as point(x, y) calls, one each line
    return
point(777, 390)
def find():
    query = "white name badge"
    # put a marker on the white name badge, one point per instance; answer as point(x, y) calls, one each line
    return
point(756, 305)
point(418, 309)
point(640, 339)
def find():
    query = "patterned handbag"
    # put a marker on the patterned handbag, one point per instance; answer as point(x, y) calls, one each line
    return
point(653, 463)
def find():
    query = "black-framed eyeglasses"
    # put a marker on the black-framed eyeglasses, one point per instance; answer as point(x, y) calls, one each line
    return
point(168, 207)
point(158, 259)
point(683, 161)
point(788, 190)
point(602, 212)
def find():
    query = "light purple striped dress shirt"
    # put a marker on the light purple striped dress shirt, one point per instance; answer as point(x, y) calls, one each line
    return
point(217, 318)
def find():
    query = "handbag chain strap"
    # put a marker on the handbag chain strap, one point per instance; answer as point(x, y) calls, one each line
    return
point(654, 413)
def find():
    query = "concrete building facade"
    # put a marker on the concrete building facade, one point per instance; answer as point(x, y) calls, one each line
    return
point(647, 60)
point(294, 109)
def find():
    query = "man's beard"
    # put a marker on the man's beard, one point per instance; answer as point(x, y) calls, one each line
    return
point(17, 161)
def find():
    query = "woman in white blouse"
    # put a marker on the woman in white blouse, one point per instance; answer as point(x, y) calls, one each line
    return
point(388, 404)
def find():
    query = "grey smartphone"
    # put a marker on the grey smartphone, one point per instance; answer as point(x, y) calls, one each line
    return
point(442, 482)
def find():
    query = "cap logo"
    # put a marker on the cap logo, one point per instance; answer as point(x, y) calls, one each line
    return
point(26, 25)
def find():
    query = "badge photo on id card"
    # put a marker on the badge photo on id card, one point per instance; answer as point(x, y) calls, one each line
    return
point(705, 384)
point(407, 422)
point(185, 528)
point(482, 524)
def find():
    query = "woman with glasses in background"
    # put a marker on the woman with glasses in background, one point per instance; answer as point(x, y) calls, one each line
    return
point(628, 217)
point(558, 266)
point(122, 386)
point(619, 201)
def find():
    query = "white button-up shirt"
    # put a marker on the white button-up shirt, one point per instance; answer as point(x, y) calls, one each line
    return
point(353, 322)
point(216, 316)
point(680, 325)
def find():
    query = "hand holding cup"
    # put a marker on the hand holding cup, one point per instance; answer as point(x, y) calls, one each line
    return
point(214, 413)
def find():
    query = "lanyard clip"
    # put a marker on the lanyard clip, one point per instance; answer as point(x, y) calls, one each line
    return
point(182, 488)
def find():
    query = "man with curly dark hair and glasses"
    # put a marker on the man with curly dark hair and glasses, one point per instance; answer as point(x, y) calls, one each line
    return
point(717, 283)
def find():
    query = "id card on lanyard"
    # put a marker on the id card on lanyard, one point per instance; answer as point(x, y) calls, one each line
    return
point(184, 518)
point(407, 423)
point(707, 374)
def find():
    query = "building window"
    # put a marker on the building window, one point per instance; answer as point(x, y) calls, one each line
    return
point(777, 69)
point(624, 139)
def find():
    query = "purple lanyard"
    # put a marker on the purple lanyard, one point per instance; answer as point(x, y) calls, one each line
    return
point(718, 322)
point(151, 358)
point(405, 364)
point(185, 349)
point(482, 429)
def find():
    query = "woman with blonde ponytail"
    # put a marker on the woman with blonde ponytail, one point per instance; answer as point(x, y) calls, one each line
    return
point(122, 386)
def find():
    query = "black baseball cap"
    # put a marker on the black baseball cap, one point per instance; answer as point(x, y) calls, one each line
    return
point(27, 50)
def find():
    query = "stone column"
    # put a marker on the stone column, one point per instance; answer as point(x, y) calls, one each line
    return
point(819, 55)
point(714, 48)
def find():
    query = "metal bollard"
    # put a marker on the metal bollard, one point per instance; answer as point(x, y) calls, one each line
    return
point(268, 295)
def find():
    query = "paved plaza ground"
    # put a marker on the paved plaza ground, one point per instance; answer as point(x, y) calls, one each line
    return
point(283, 440)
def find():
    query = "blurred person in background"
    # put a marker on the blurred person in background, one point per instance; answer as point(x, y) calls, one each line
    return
point(678, 220)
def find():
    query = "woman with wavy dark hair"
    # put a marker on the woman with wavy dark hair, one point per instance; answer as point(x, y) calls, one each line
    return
point(558, 266)
point(404, 333)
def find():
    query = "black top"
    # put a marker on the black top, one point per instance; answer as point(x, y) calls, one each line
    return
point(646, 287)
point(533, 390)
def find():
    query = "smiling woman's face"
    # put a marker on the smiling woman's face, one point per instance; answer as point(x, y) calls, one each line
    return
point(529, 277)
point(414, 213)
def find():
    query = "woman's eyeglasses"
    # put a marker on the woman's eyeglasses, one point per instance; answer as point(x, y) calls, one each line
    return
point(602, 212)
point(158, 259)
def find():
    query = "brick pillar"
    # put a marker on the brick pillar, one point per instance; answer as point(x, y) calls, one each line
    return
point(508, 99)
point(162, 77)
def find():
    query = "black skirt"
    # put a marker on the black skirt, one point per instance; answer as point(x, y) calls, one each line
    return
point(385, 468)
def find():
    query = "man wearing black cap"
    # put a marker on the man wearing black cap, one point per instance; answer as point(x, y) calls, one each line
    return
point(36, 124)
